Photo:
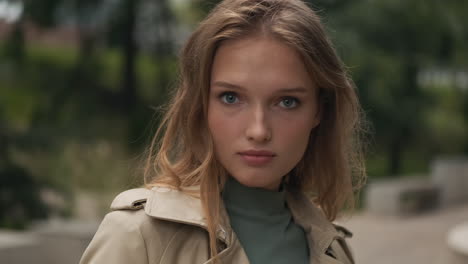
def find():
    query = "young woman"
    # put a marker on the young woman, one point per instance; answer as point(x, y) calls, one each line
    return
point(256, 155)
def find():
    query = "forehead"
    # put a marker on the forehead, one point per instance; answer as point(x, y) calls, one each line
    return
point(259, 61)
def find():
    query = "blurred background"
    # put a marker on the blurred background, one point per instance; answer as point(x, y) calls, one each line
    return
point(81, 82)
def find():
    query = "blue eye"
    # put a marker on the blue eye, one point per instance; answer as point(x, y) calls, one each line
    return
point(229, 98)
point(289, 102)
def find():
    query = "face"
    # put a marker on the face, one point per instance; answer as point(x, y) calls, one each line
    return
point(262, 109)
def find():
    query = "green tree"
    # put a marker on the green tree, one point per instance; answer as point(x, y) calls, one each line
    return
point(387, 44)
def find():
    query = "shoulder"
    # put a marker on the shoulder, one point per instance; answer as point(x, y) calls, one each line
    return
point(127, 212)
point(130, 213)
point(119, 239)
point(340, 248)
point(132, 199)
point(343, 231)
point(126, 232)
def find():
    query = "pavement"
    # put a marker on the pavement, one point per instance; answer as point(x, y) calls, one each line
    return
point(419, 239)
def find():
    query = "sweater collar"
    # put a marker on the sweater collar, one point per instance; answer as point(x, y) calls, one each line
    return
point(253, 201)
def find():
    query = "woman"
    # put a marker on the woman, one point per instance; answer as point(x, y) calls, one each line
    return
point(263, 119)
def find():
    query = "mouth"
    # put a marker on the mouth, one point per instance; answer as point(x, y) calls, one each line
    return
point(264, 153)
point(257, 157)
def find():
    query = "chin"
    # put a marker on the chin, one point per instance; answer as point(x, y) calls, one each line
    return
point(257, 182)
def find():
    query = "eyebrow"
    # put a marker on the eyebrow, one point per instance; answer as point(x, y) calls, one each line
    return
point(298, 89)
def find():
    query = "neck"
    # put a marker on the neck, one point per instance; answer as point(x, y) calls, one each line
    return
point(254, 200)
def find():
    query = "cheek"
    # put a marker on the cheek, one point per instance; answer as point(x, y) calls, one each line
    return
point(295, 134)
point(213, 123)
point(295, 137)
point(222, 127)
point(295, 126)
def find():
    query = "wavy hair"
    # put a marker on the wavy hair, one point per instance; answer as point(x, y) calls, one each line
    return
point(181, 154)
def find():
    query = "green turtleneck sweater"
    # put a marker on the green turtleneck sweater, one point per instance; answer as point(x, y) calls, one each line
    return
point(264, 225)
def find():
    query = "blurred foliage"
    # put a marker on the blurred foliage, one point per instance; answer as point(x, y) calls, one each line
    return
point(76, 117)
point(20, 199)
point(386, 45)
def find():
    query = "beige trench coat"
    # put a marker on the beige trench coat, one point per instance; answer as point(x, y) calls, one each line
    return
point(166, 226)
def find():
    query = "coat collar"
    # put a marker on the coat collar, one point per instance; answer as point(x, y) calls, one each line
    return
point(173, 205)
point(178, 206)
point(320, 232)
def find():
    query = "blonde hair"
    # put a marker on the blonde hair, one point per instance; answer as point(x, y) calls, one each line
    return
point(181, 154)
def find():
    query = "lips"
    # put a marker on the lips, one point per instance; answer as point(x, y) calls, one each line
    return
point(258, 153)
point(257, 157)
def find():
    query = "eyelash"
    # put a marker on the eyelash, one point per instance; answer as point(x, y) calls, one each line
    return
point(296, 100)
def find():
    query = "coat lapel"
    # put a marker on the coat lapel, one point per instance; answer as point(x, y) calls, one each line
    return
point(176, 206)
point(319, 230)
point(173, 205)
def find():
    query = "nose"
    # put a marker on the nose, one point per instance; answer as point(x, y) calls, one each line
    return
point(258, 129)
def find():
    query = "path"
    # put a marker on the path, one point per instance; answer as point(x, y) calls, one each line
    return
point(412, 240)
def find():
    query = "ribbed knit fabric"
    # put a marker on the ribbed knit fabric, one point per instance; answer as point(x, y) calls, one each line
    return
point(264, 225)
